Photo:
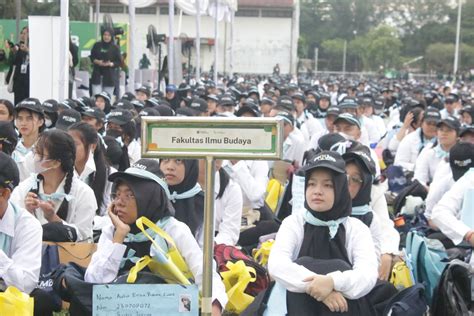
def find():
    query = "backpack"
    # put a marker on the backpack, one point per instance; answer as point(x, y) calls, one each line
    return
point(453, 294)
point(224, 254)
point(408, 302)
point(426, 258)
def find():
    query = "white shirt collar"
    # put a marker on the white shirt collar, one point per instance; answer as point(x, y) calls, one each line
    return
point(7, 223)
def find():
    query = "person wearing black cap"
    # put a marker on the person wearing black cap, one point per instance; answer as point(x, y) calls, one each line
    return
point(29, 120)
point(199, 107)
point(120, 124)
point(309, 126)
point(67, 118)
point(8, 138)
point(249, 109)
point(427, 162)
point(451, 106)
point(143, 93)
point(103, 101)
point(212, 101)
point(323, 260)
point(412, 144)
point(461, 159)
point(140, 191)
point(283, 104)
point(467, 115)
point(105, 56)
point(50, 109)
point(293, 140)
point(20, 234)
point(323, 104)
point(453, 213)
point(129, 96)
point(95, 117)
point(226, 105)
point(266, 106)
point(63, 204)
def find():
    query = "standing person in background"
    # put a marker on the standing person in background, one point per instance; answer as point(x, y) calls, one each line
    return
point(105, 56)
point(20, 69)
point(73, 51)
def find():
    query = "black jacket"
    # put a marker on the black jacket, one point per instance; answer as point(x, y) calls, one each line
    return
point(105, 52)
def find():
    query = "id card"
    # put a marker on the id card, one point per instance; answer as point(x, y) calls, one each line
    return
point(23, 68)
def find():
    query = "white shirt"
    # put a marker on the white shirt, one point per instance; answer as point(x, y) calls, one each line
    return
point(228, 213)
point(426, 164)
point(252, 176)
point(81, 208)
point(408, 150)
point(310, 127)
point(105, 262)
point(25, 163)
point(20, 266)
point(447, 212)
point(353, 284)
point(373, 133)
point(442, 182)
point(134, 151)
point(294, 147)
point(379, 124)
point(390, 239)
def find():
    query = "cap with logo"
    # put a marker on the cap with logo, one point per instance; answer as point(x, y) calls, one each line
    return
point(50, 106)
point(9, 174)
point(95, 113)
point(67, 118)
point(226, 100)
point(286, 117)
point(249, 107)
point(67, 104)
point(461, 159)
point(326, 159)
point(198, 105)
point(299, 96)
point(348, 104)
point(451, 122)
point(149, 112)
point(124, 104)
point(105, 95)
point(349, 118)
point(128, 96)
point(8, 137)
point(469, 129)
point(30, 104)
point(285, 103)
point(334, 110)
point(145, 90)
point(432, 115)
point(119, 117)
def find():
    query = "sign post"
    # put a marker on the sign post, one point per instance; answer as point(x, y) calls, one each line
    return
point(210, 138)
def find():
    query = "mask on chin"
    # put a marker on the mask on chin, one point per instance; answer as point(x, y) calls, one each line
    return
point(346, 136)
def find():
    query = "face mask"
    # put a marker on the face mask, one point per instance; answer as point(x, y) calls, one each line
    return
point(348, 137)
point(48, 123)
point(38, 166)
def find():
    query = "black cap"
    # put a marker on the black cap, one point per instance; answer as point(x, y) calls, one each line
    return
point(105, 95)
point(326, 159)
point(286, 117)
point(124, 104)
point(349, 118)
point(198, 105)
point(299, 96)
point(128, 96)
point(451, 122)
point(144, 89)
point(432, 115)
point(324, 95)
point(120, 116)
point(226, 100)
point(149, 112)
point(213, 97)
point(9, 174)
point(152, 102)
point(84, 102)
point(360, 152)
point(50, 106)
point(95, 113)
point(185, 111)
point(461, 159)
point(334, 110)
point(67, 118)
point(348, 104)
point(137, 103)
point(286, 103)
point(468, 109)
point(30, 104)
point(267, 100)
point(147, 169)
point(249, 107)
point(67, 104)
point(325, 142)
point(466, 129)
point(451, 98)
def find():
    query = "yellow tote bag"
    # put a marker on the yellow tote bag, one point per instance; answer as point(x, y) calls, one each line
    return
point(168, 264)
point(13, 302)
point(261, 254)
point(235, 281)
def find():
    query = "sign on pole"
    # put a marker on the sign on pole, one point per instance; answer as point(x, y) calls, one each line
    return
point(209, 138)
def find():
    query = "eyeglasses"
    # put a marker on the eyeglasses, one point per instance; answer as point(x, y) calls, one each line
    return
point(354, 180)
point(125, 197)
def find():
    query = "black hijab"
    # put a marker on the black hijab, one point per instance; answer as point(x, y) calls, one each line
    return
point(317, 243)
point(363, 196)
point(191, 210)
point(152, 202)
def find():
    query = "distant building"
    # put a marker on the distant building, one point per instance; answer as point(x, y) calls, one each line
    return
point(262, 33)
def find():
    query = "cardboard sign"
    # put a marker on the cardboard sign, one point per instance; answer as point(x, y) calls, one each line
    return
point(145, 300)
point(239, 138)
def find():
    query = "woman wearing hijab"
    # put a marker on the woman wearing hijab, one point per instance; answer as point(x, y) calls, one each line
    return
point(323, 260)
point(105, 56)
point(141, 191)
point(186, 193)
